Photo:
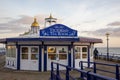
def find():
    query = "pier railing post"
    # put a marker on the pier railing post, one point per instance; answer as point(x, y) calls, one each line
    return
point(67, 73)
point(94, 68)
point(117, 72)
point(51, 70)
point(81, 66)
point(57, 71)
point(88, 76)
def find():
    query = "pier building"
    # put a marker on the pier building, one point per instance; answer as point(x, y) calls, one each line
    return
point(37, 48)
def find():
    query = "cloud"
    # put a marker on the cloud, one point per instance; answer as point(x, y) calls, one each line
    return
point(20, 24)
point(115, 32)
point(116, 23)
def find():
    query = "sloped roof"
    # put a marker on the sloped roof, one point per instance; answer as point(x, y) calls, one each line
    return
point(90, 40)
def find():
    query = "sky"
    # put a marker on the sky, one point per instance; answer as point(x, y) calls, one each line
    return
point(92, 18)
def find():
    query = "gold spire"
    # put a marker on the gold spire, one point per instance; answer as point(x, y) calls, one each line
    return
point(50, 16)
point(35, 23)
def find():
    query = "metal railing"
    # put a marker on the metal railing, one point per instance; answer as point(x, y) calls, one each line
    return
point(112, 56)
point(83, 75)
point(95, 69)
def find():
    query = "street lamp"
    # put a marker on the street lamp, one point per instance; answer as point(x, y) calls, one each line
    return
point(107, 35)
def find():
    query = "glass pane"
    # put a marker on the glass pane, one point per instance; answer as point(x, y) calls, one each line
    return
point(34, 50)
point(8, 51)
point(51, 50)
point(11, 51)
point(77, 49)
point(84, 55)
point(24, 56)
point(84, 49)
point(77, 56)
point(24, 49)
point(34, 56)
point(62, 56)
point(62, 50)
point(52, 56)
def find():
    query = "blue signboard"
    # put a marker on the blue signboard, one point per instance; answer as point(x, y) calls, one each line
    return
point(58, 30)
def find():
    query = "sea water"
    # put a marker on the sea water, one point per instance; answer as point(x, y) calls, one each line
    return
point(112, 50)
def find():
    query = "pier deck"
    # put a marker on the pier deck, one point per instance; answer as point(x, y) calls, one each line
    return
point(6, 74)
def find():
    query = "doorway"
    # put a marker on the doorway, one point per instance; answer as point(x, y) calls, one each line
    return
point(29, 57)
point(57, 54)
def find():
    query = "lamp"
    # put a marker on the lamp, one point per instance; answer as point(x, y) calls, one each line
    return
point(107, 35)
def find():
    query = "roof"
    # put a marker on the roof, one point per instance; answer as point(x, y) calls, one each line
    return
point(79, 39)
point(38, 39)
point(90, 40)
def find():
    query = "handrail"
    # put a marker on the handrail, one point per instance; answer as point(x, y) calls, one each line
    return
point(88, 75)
point(101, 63)
point(116, 72)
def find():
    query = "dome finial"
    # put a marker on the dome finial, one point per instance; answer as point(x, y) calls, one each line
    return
point(35, 23)
point(50, 16)
point(34, 19)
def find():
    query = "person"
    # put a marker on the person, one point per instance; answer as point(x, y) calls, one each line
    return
point(95, 53)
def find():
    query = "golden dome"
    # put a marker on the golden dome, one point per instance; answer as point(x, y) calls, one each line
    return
point(35, 23)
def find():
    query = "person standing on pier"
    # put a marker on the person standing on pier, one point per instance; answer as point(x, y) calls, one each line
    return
point(95, 53)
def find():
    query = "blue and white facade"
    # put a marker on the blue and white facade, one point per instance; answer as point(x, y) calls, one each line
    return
point(57, 42)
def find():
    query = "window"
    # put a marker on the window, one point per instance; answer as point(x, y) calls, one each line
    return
point(52, 56)
point(84, 49)
point(62, 52)
point(84, 52)
point(77, 52)
point(62, 56)
point(51, 53)
point(34, 53)
point(24, 52)
point(57, 52)
point(11, 51)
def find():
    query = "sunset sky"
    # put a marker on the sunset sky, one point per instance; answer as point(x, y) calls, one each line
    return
point(92, 18)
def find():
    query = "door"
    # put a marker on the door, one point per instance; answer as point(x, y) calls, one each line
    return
point(77, 55)
point(29, 57)
point(57, 54)
point(80, 55)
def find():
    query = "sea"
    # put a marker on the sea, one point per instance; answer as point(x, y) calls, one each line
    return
point(2, 50)
point(112, 51)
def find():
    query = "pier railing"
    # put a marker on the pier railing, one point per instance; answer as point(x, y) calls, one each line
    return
point(112, 56)
point(57, 74)
point(95, 69)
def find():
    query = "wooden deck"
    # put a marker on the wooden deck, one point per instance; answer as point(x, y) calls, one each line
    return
point(6, 74)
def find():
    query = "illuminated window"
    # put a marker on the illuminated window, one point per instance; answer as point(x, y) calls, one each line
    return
point(62, 56)
point(52, 56)
point(11, 51)
point(51, 53)
point(57, 53)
